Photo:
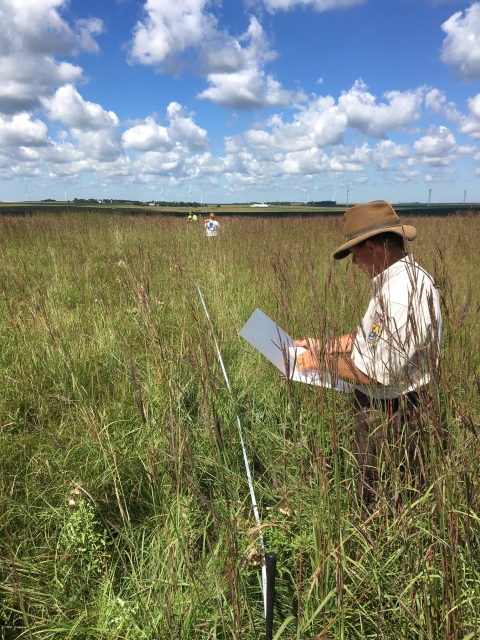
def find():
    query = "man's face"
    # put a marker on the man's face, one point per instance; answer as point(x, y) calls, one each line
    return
point(364, 256)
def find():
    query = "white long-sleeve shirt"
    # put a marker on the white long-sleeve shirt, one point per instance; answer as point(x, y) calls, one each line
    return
point(398, 341)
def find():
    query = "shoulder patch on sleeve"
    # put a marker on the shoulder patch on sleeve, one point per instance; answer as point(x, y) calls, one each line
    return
point(375, 330)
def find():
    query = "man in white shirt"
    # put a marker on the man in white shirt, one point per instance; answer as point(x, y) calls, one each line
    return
point(394, 351)
point(211, 226)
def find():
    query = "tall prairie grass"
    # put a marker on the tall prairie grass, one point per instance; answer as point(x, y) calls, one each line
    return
point(124, 507)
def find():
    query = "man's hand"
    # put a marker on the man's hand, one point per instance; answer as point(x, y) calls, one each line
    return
point(307, 343)
point(341, 367)
point(307, 361)
point(340, 344)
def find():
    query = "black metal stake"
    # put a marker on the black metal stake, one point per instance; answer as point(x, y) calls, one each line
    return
point(271, 562)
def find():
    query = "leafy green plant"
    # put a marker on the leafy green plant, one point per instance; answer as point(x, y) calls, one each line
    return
point(82, 542)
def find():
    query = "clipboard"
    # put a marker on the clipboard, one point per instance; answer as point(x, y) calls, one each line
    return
point(278, 347)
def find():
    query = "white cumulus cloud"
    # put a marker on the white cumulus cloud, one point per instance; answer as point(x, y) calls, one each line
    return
point(247, 89)
point(436, 101)
point(168, 28)
point(439, 148)
point(21, 131)
point(68, 106)
point(235, 73)
point(318, 5)
point(376, 119)
point(471, 124)
point(149, 136)
point(461, 47)
point(407, 176)
point(184, 129)
point(155, 163)
point(94, 128)
point(104, 145)
point(386, 151)
point(323, 122)
point(232, 65)
point(318, 124)
point(33, 34)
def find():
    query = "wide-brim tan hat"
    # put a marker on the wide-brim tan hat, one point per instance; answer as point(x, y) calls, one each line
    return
point(366, 220)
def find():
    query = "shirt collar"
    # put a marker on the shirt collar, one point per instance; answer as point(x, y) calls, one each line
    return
point(378, 282)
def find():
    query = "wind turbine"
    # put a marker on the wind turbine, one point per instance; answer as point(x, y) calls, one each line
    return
point(429, 195)
point(334, 194)
point(464, 196)
point(348, 192)
point(65, 192)
point(26, 194)
point(190, 192)
point(161, 194)
point(201, 198)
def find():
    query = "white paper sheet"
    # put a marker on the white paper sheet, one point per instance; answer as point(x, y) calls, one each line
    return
point(278, 347)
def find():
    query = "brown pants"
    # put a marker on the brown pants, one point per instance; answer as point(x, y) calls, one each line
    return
point(386, 443)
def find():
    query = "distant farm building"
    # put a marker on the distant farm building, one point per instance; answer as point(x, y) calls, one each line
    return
point(257, 204)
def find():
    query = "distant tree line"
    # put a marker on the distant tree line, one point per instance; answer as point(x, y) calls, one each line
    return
point(138, 203)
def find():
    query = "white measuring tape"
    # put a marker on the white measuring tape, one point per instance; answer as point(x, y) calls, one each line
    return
point(245, 459)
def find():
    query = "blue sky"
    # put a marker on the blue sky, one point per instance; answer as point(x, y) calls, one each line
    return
point(251, 100)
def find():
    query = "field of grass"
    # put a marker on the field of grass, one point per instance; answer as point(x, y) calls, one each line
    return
point(273, 211)
point(31, 208)
point(124, 507)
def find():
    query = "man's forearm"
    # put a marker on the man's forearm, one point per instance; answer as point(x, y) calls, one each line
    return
point(338, 367)
point(345, 369)
point(338, 344)
point(341, 344)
